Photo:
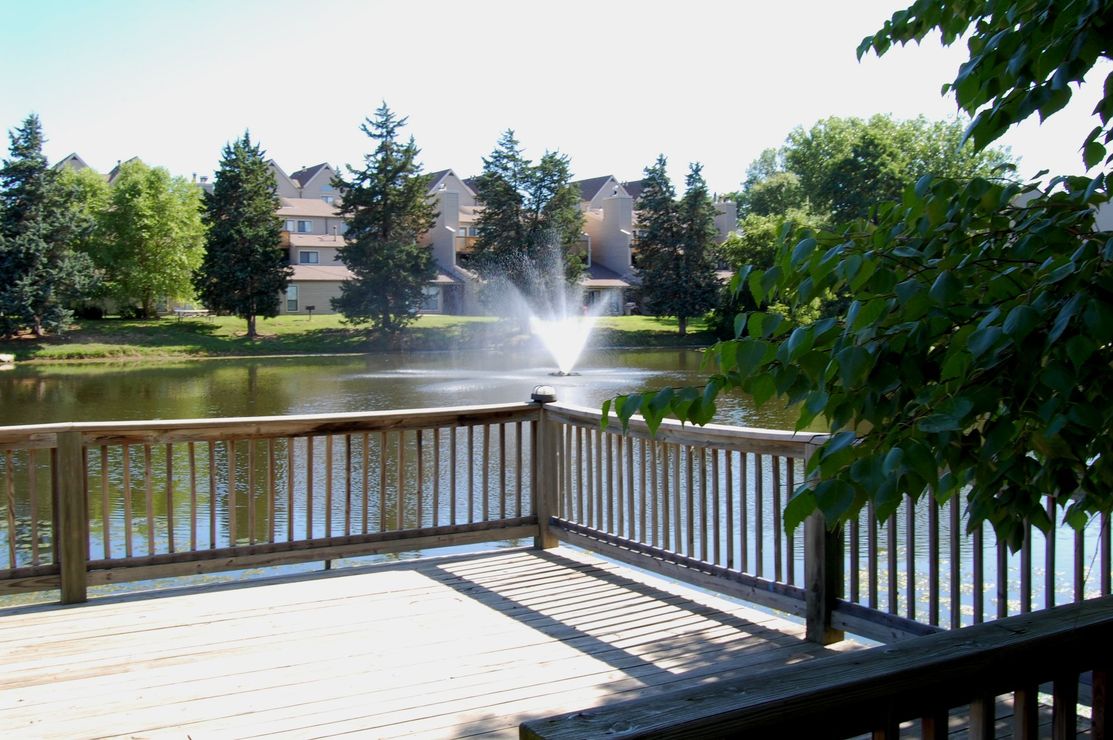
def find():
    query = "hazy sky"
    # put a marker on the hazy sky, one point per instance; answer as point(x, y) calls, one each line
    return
point(611, 84)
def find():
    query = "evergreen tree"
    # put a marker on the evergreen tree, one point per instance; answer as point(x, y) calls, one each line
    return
point(245, 270)
point(41, 274)
point(150, 238)
point(676, 251)
point(530, 225)
point(387, 207)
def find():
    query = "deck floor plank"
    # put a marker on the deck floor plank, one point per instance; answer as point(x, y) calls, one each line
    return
point(444, 647)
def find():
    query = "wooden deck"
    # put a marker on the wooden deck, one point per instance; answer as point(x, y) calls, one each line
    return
point(445, 647)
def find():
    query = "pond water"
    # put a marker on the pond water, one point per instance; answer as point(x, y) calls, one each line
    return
point(34, 394)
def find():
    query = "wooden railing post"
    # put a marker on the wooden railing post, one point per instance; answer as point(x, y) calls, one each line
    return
point(545, 484)
point(71, 520)
point(823, 574)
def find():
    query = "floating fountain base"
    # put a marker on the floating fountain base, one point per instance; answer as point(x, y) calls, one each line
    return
point(562, 374)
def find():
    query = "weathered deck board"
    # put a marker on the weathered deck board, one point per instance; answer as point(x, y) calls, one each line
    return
point(453, 646)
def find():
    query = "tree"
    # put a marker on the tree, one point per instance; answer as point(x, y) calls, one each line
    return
point(676, 263)
point(150, 238)
point(387, 207)
point(975, 357)
point(529, 227)
point(42, 274)
point(245, 270)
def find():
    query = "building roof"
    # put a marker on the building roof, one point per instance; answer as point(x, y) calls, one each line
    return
point(304, 175)
point(590, 188)
point(435, 178)
point(71, 161)
point(307, 207)
point(598, 276)
point(115, 171)
point(320, 273)
point(634, 188)
point(443, 278)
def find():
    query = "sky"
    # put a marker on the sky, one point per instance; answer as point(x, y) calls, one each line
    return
point(611, 84)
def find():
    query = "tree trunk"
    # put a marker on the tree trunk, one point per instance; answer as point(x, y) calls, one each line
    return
point(251, 327)
point(682, 324)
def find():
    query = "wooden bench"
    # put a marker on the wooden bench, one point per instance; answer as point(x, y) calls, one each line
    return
point(875, 690)
point(190, 313)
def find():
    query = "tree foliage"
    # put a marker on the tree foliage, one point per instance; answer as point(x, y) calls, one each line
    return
point(149, 237)
point(530, 225)
point(974, 358)
point(41, 275)
point(245, 270)
point(387, 207)
point(676, 250)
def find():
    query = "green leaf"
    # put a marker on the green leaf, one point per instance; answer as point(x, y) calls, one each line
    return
point(605, 414)
point(1021, 321)
point(799, 508)
point(834, 498)
point(762, 388)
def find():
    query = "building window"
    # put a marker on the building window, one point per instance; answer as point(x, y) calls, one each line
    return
point(291, 299)
point(327, 199)
point(305, 227)
point(309, 258)
point(431, 299)
point(290, 225)
point(326, 188)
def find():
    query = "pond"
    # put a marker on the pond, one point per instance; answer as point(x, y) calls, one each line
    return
point(34, 394)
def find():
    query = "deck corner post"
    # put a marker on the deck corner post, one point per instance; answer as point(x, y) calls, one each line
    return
point(71, 519)
point(544, 485)
point(823, 575)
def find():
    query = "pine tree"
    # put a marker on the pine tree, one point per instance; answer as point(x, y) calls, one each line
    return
point(530, 223)
point(387, 208)
point(245, 270)
point(42, 274)
point(676, 250)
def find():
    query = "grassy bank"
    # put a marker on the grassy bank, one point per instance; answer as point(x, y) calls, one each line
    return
point(222, 336)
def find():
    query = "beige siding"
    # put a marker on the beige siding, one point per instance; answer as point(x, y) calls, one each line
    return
point(327, 256)
point(314, 293)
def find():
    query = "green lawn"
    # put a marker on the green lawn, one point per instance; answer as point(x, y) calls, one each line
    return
point(221, 336)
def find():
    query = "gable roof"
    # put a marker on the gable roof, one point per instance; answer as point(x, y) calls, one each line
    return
point(72, 161)
point(590, 188)
point(307, 207)
point(304, 175)
point(115, 171)
point(435, 178)
point(634, 188)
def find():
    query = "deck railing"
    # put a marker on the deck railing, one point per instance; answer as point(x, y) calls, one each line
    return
point(101, 502)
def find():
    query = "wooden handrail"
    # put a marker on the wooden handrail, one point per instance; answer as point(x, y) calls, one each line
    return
point(874, 690)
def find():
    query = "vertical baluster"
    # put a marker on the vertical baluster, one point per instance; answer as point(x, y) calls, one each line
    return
point(251, 492)
point(580, 512)
point(689, 485)
point(1049, 558)
point(677, 517)
point(86, 498)
point(519, 429)
point(759, 517)
point(149, 497)
point(1064, 707)
point(568, 504)
point(365, 461)
point(502, 471)
point(743, 512)
point(212, 496)
point(620, 493)
point(1002, 580)
point(704, 509)
point(471, 474)
point(290, 482)
point(534, 464)
point(982, 716)
point(910, 555)
point(934, 725)
point(631, 531)
point(1026, 720)
point(728, 484)
point(191, 452)
point(956, 560)
point(891, 546)
point(775, 461)
point(328, 486)
point(230, 462)
point(453, 462)
point(1026, 571)
point(170, 498)
point(421, 479)
point(872, 528)
point(790, 539)
point(933, 558)
point(1079, 565)
point(9, 481)
point(589, 474)
point(978, 576)
point(655, 500)
point(400, 510)
point(272, 479)
point(486, 471)
point(1100, 724)
point(382, 481)
point(1106, 565)
point(642, 502)
point(666, 501)
point(716, 545)
point(106, 513)
point(347, 484)
point(437, 475)
point(599, 524)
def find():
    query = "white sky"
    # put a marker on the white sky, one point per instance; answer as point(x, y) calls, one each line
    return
point(611, 84)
